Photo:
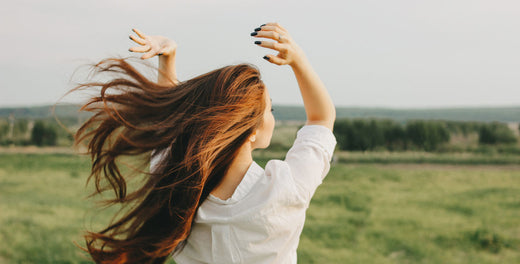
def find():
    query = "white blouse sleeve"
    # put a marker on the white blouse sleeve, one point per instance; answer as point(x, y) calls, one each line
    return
point(155, 159)
point(309, 158)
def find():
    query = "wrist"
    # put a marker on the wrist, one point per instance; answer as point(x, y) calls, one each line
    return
point(300, 59)
point(169, 54)
point(169, 48)
point(299, 63)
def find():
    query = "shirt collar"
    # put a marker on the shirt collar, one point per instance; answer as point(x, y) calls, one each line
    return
point(253, 174)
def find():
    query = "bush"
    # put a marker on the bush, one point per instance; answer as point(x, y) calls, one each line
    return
point(462, 127)
point(364, 134)
point(427, 135)
point(20, 127)
point(395, 135)
point(358, 134)
point(43, 134)
point(496, 133)
point(4, 131)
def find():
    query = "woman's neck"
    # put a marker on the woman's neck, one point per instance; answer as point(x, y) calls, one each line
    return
point(237, 170)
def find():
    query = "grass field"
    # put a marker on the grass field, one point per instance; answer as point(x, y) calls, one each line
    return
point(362, 213)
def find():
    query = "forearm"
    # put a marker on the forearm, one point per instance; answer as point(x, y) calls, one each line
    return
point(167, 72)
point(316, 99)
point(318, 104)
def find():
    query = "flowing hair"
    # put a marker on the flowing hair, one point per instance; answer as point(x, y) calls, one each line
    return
point(194, 129)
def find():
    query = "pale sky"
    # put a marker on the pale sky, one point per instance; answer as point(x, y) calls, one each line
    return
point(401, 53)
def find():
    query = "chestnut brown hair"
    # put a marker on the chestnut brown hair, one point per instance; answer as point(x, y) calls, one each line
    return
point(194, 129)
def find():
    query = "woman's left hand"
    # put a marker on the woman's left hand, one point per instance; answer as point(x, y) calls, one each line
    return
point(152, 45)
point(288, 51)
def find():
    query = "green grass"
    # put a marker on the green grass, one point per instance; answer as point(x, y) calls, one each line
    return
point(414, 214)
point(410, 157)
point(42, 208)
point(362, 213)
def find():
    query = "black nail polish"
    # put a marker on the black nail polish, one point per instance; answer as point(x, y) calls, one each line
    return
point(160, 54)
point(258, 42)
point(129, 37)
point(258, 29)
point(254, 34)
point(262, 25)
point(265, 57)
point(130, 50)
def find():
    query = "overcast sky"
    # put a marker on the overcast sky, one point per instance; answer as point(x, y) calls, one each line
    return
point(400, 53)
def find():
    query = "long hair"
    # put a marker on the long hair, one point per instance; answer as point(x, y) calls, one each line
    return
point(194, 128)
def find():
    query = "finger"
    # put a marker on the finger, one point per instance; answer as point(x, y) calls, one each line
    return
point(271, 28)
point(167, 50)
point(140, 49)
point(272, 45)
point(148, 55)
point(267, 34)
point(139, 33)
point(274, 59)
point(275, 24)
point(138, 40)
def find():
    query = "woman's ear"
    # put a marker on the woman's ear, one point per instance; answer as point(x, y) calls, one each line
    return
point(252, 138)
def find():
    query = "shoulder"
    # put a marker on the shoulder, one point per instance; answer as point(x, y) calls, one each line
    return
point(278, 175)
point(317, 135)
point(281, 178)
point(276, 167)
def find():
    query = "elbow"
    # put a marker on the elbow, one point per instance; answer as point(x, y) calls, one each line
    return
point(326, 121)
point(333, 114)
point(325, 118)
point(328, 115)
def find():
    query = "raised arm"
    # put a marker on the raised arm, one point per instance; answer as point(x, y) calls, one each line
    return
point(166, 50)
point(318, 105)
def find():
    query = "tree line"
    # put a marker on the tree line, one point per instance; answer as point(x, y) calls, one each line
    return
point(25, 132)
point(351, 134)
point(427, 135)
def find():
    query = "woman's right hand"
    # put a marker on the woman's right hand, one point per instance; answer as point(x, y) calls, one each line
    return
point(152, 45)
point(288, 51)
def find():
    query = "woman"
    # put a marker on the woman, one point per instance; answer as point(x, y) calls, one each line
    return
point(204, 199)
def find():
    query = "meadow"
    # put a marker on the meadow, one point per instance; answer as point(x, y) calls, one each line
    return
point(364, 212)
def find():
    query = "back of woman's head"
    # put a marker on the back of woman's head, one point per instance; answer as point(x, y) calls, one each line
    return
point(196, 126)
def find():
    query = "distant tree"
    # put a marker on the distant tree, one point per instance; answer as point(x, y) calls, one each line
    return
point(343, 132)
point(417, 132)
point(37, 133)
point(4, 132)
point(363, 134)
point(395, 135)
point(427, 135)
point(4, 128)
point(353, 134)
point(43, 135)
point(496, 133)
point(462, 127)
point(20, 127)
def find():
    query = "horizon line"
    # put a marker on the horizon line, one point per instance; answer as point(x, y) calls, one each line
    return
point(301, 105)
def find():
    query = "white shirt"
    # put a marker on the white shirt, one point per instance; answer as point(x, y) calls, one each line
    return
point(263, 220)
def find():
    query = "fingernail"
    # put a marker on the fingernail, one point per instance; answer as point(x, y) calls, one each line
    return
point(160, 54)
point(258, 29)
point(262, 25)
point(129, 37)
point(258, 42)
point(254, 34)
point(130, 50)
point(265, 57)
